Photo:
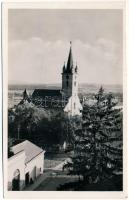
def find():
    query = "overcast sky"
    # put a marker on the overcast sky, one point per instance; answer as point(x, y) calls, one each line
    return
point(39, 45)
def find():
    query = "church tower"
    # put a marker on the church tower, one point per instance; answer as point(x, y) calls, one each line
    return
point(70, 86)
point(70, 77)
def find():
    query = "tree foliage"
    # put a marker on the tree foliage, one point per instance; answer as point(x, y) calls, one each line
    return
point(24, 119)
point(39, 125)
point(98, 143)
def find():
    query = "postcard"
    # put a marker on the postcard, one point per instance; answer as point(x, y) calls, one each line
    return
point(64, 100)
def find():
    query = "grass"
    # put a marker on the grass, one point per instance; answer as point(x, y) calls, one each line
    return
point(52, 159)
point(51, 163)
point(113, 184)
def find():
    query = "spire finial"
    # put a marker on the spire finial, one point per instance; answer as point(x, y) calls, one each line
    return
point(70, 43)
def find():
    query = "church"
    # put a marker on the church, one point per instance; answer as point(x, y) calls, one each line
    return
point(67, 97)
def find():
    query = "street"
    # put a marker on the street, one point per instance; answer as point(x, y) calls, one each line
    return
point(51, 183)
point(51, 179)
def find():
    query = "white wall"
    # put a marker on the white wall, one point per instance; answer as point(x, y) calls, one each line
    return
point(69, 108)
point(34, 166)
point(16, 162)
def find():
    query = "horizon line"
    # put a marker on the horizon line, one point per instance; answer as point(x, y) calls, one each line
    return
point(93, 83)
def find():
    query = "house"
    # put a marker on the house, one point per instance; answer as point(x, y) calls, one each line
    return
point(65, 98)
point(25, 164)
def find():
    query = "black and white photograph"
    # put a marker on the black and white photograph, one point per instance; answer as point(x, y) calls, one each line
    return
point(64, 100)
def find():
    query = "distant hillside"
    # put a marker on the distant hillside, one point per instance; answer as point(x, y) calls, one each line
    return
point(15, 93)
point(93, 88)
point(83, 88)
point(34, 86)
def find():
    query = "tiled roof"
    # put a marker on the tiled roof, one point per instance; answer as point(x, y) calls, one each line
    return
point(31, 150)
point(46, 92)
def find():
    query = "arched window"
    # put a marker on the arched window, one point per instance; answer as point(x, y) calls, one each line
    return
point(16, 180)
point(74, 83)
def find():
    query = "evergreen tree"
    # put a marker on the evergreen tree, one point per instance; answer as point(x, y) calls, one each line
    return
point(98, 144)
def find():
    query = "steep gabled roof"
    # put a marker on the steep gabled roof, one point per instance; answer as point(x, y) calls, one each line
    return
point(46, 93)
point(31, 150)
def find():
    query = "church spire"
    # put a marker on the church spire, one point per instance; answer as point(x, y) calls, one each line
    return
point(64, 68)
point(76, 68)
point(25, 95)
point(70, 59)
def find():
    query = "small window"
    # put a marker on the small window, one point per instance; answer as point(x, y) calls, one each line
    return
point(74, 105)
point(67, 83)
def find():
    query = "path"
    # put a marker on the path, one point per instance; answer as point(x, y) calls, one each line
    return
point(52, 183)
point(37, 182)
point(48, 173)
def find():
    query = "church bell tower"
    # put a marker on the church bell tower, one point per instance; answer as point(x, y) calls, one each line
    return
point(70, 86)
point(70, 77)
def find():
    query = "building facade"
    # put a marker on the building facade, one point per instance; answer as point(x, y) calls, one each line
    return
point(25, 165)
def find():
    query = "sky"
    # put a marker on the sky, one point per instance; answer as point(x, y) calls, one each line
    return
point(39, 42)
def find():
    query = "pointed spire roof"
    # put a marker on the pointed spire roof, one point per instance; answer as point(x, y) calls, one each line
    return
point(70, 59)
point(25, 98)
point(76, 68)
point(64, 67)
point(25, 95)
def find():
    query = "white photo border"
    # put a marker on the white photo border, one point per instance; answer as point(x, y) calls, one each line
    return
point(61, 5)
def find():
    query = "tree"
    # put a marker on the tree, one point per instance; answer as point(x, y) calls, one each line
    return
point(70, 124)
point(98, 144)
point(43, 127)
point(26, 118)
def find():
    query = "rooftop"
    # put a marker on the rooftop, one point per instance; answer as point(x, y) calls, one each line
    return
point(31, 150)
point(46, 92)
